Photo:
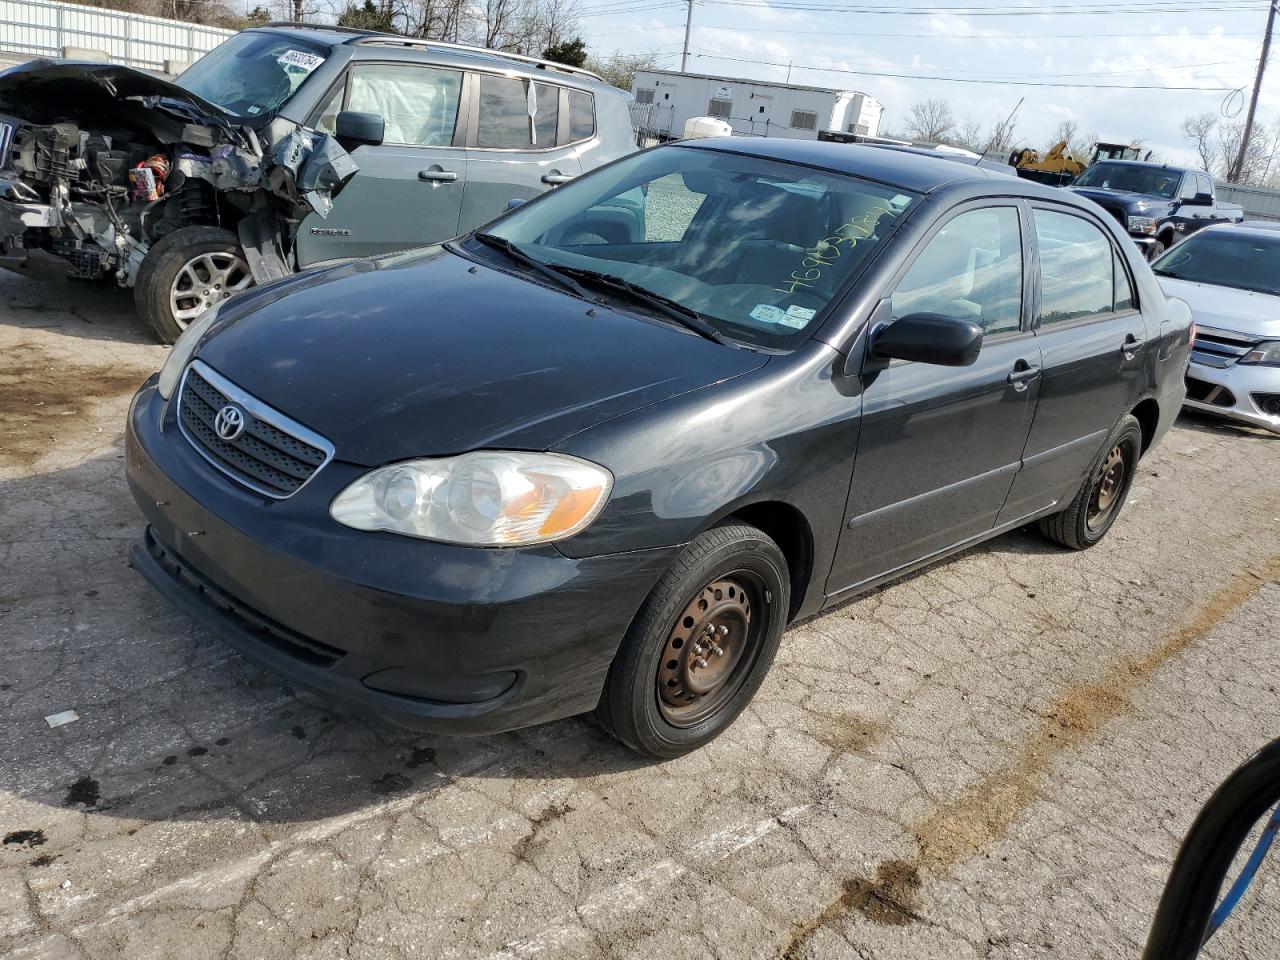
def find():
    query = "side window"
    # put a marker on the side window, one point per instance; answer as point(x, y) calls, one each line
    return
point(512, 116)
point(1203, 183)
point(1188, 189)
point(669, 208)
point(1076, 265)
point(971, 269)
point(418, 104)
point(582, 115)
point(329, 112)
point(1124, 287)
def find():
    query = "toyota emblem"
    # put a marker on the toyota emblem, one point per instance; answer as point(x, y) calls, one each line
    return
point(229, 423)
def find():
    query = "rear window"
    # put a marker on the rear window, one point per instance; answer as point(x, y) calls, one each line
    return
point(582, 115)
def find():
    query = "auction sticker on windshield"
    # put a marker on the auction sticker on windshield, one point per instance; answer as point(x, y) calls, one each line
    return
point(300, 59)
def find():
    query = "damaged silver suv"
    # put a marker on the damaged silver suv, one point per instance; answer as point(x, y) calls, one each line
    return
point(284, 148)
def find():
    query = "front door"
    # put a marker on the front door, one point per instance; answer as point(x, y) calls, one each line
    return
point(408, 191)
point(513, 152)
point(1092, 340)
point(939, 446)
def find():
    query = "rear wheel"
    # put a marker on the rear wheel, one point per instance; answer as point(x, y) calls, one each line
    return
point(701, 644)
point(187, 273)
point(1101, 497)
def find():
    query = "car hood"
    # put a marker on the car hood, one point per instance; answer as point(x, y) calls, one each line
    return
point(1133, 202)
point(1228, 308)
point(48, 91)
point(430, 354)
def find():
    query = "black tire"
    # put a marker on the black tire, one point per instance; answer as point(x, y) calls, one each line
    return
point(1156, 248)
point(722, 559)
point(1084, 523)
point(161, 277)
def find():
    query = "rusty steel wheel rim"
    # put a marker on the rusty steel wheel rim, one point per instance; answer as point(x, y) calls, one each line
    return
point(1107, 488)
point(710, 649)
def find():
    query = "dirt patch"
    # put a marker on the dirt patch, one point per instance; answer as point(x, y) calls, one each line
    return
point(889, 899)
point(45, 400)
point(848, 733)
point(963, 828)
point(960, 829)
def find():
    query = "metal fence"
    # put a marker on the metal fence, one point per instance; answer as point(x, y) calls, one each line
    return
point(42, 28)
point(1260, 203)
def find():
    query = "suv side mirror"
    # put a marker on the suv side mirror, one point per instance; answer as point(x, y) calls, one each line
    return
point(1199, 200)
point(929, 338)
point(355, 129)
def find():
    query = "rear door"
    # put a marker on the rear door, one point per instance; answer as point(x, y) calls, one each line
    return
point(408, 191)
point(519, 144)
point(1092, 339)
point(939, 446)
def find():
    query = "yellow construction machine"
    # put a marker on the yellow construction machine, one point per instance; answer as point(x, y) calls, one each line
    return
point(1059, 166)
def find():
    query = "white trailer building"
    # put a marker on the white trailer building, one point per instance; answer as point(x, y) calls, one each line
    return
point(665, 99)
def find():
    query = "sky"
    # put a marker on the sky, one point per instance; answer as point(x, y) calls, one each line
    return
point(1212, 45)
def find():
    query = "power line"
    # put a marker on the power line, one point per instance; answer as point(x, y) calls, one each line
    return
point(645, 28)
point(945, 79)
point(1159, 6)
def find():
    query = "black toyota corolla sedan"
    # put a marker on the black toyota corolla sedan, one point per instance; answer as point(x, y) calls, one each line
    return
point(598, 454)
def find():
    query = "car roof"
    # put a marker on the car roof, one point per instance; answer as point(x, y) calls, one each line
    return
point(918, 171)
point(378, 44)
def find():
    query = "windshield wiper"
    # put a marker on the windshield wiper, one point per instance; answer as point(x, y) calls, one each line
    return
point(688, 318)
point(533, 263)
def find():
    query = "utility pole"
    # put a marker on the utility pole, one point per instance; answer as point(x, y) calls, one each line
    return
point(1237, 168)
point(688, 29)
point(789, 62)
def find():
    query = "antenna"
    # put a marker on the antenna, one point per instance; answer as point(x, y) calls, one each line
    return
point(995, 134)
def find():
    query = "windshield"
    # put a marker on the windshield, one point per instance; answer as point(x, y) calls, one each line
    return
point(251, 75)
point(1153, 181)
point(1225, 258)
point(757, 248)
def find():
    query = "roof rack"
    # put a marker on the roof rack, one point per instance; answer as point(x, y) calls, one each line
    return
point(363, 36)
point(391, 39)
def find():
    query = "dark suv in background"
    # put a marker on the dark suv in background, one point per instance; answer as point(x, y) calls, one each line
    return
point(285, 147)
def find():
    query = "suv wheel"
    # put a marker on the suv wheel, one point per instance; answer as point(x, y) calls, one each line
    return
point(700, 646)
point(186, 273)
point(1102, 495)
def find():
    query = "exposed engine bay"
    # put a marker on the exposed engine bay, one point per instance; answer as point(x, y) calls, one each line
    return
point(100, 162)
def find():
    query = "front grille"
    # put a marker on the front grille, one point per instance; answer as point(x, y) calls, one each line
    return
point(1120, 213)
point(1201, 391)
point(272, 454)
point(311, 652)
point(1214, 347)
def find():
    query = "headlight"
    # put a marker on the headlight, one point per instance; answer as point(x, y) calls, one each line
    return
point(1266, 353)
point(483, 499)
point(1142, 225)
point(181, 351)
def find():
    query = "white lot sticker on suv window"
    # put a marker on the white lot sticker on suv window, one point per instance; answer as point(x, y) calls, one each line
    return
point(797, 316)
point(767, 313)
point(300, 59)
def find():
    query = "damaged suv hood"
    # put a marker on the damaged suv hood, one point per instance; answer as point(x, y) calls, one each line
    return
point(43, 91)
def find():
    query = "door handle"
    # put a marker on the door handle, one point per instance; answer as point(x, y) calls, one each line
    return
point(1022, 373)
point(556, 178)
point(438, 175)
point(1131, 346)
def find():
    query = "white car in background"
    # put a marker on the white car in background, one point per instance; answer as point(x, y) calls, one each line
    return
point(1230, 277)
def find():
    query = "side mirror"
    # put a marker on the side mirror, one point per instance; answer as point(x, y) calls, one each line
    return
point(929, 338)
point(1200, 200)
point(355, 129)
point(514, 202)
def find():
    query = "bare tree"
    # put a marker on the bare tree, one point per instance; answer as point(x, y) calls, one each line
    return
point(620, 69)
point(931, 120)
point(1000, 140)
point(969, 135)
point(1198, 131)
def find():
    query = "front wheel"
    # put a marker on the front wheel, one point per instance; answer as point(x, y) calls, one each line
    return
point(700, 646)
point(187, 273)
point(1100, 498)
point(1157, 247)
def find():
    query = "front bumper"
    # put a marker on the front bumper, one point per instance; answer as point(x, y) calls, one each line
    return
point(1240, 392)
point(434, 636)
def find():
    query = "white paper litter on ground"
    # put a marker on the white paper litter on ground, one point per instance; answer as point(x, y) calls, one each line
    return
point(61, 719)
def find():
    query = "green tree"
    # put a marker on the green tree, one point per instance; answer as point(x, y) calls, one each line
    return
point(368, 17)
point(572, 53)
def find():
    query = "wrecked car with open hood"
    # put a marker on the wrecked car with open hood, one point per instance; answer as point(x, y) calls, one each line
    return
point(106, 169)
point(241, 170)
